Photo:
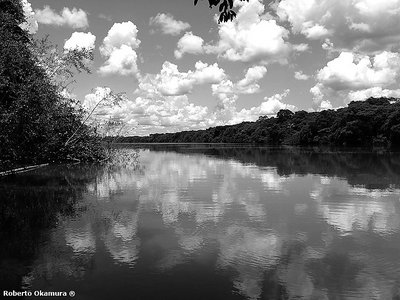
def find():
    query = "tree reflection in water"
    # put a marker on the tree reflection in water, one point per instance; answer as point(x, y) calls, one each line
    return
point(218, 222)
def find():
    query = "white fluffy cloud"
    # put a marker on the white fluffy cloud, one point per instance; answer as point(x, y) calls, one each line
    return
point(373, 92)
point(226, 111)
point(228, 92)
point(92, 99)
point(251, 36)
point(351, 76)
point(168, 25)
point(148, 113)
point(299, 75)
point(31, 24)
point(119, 48)
point(75, 18)
point(349, 71)
point(269, 107)
point(171, 82)
point(314, 31)
point(301, 47)
point(162, 103)
point(122, 61)
point(253, 74)
point(80, 40)
point(120, 34)
point(357, 25)
point(247, 85)
point(189, 43)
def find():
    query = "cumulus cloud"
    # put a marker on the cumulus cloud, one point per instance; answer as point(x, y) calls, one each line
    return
point(251, 36)
point(122, 61)
point(119, 48)
point(349, 71)
point(373, 92)
point(349, 76)
point(162, 103)
point(92, 99)
point(75, 18)
point(226, 111)
point(31, 25)
point(253, 74)
point(228, 92)
point(274, 104)
point(299, 75)
point(168, 25)
point(367, 26)
point(149, 113)
point(99, 105)
point(248, 85)
point(171, 82)
point(120, 34)
point(80, 40)
point(189, 43)
point(314, 31)
point(270, 106)
point(300, 47)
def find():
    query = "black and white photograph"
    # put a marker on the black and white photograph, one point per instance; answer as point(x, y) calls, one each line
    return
point(200, 149)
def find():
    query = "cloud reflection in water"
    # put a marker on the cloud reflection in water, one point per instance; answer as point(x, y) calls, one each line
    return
point(297, 236)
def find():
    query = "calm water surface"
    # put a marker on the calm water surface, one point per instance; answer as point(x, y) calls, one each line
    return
point(207, 222)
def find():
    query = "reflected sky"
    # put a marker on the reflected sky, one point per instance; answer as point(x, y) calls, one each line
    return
point(225, 229)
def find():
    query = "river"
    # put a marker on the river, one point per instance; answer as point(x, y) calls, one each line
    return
point(207, 222)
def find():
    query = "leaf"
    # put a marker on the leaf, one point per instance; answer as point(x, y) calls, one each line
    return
point(230, 3)
point(221, 18)
point(195, 2)
point(213, 2)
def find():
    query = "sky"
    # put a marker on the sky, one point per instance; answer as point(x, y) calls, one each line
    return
point(181, 70)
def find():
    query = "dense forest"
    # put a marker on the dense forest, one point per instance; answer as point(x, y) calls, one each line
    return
point(38, 122)
point(374, 122)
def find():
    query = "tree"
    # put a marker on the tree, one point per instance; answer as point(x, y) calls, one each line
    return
point(60, 67)
point(226, 11)
point(284, 114)
point(35, 118)
point(109, 126)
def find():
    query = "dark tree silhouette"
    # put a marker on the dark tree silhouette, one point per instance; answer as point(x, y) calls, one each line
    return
point(226, 11)
point(35, 118)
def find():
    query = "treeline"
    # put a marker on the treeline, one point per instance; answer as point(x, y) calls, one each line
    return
point(36, 120)
point(374, 122)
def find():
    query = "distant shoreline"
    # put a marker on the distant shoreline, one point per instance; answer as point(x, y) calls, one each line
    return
point(374, 122)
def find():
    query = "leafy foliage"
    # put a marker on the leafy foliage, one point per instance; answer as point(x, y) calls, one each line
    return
point(226, 12)
point(35, 118)
point(374, 122)
point(60, 67)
